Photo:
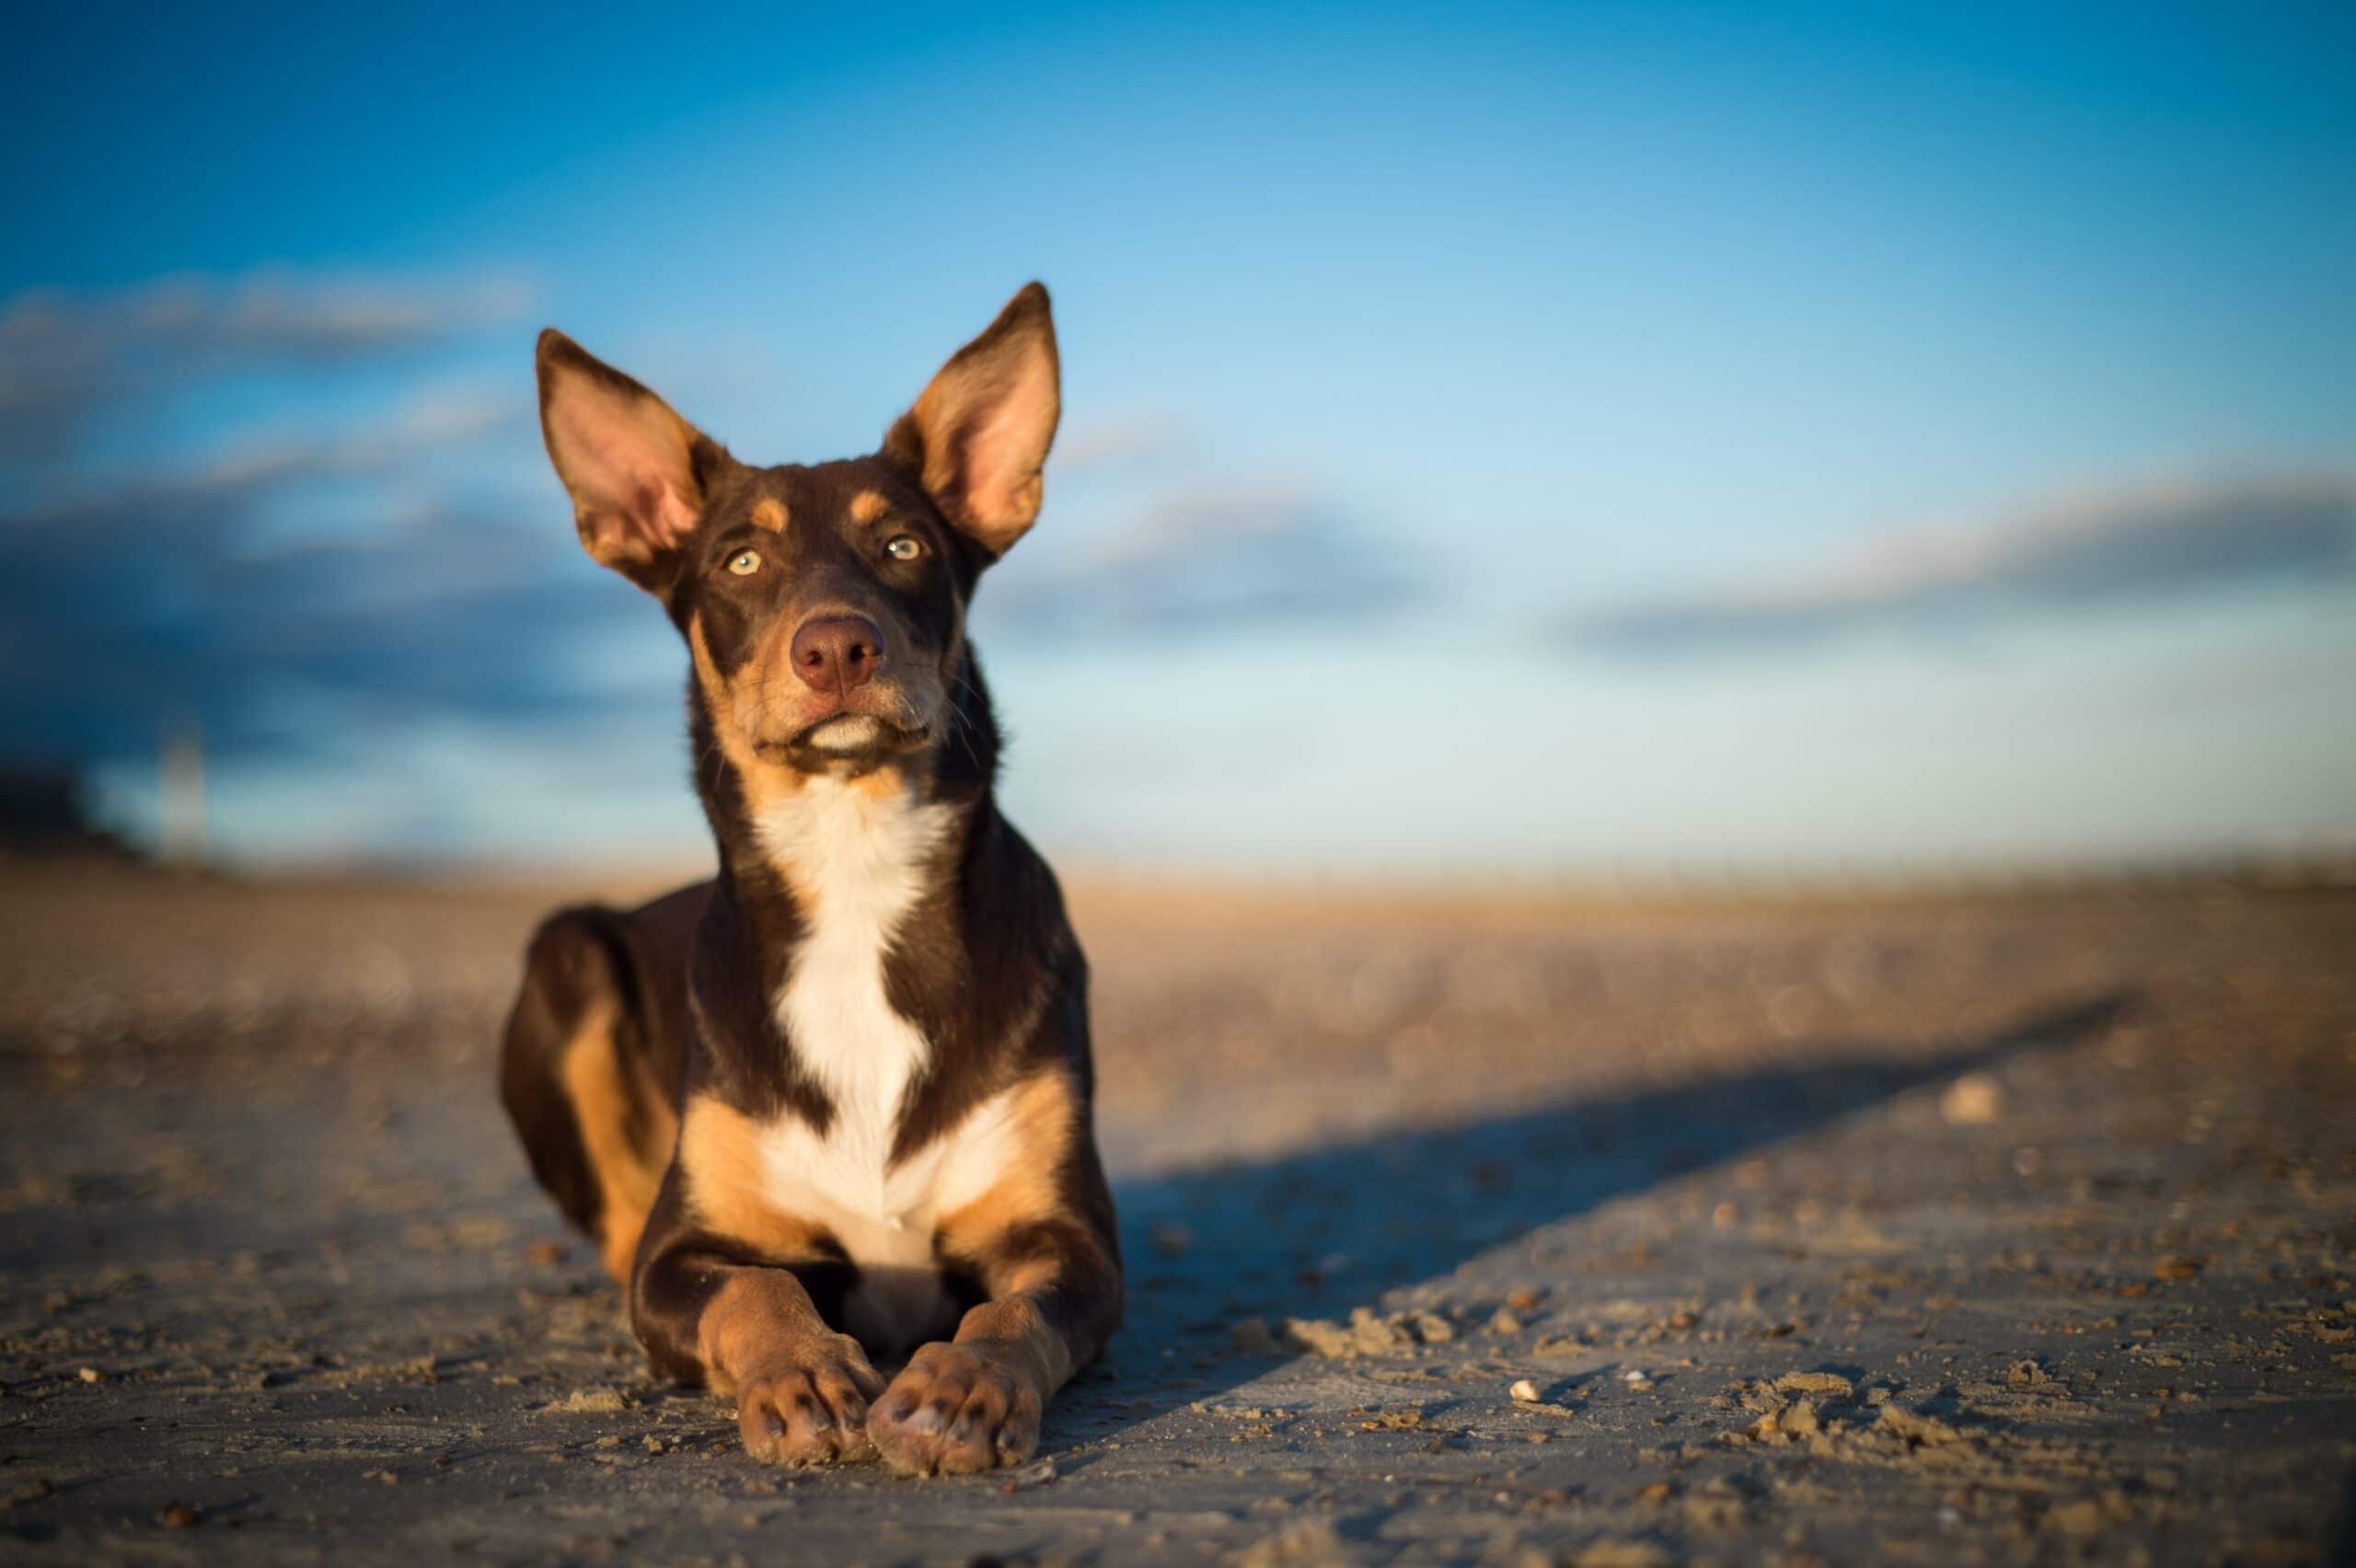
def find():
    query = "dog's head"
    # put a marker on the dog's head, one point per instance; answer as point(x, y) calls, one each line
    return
point(824, 606)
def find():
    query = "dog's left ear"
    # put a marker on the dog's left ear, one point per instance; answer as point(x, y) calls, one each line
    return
point(979, 433)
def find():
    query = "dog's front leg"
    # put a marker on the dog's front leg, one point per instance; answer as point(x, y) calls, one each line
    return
point(801, 1388)
point(976, 1402)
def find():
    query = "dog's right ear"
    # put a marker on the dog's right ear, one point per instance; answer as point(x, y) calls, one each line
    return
point(633, 468)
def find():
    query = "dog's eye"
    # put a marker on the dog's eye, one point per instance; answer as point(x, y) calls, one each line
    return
point(744, 563)
point(906, 546)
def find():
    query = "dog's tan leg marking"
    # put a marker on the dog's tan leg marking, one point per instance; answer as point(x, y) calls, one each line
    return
point(802, 1389)
point(976, 1402)
point(728, 1182)
point(1042, 1124)
point(608, 1107)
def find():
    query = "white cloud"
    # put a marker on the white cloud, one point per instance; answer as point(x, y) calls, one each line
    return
point(64, 355)
point(2129, 546)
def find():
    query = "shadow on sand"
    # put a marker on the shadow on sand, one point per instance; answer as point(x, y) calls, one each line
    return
point(1317, 1233)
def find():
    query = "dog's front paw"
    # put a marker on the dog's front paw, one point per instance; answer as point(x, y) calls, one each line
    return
point(954, 1411)
point(812, 1410)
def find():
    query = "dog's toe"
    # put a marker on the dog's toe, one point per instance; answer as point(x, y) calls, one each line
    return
point(807, 1415)
point(954, 1411)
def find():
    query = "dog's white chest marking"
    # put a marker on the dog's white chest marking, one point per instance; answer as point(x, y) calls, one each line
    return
point(858, 861)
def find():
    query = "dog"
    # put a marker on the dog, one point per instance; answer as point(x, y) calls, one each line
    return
point(832, 1109)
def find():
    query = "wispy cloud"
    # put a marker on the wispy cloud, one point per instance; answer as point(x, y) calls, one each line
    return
point(2125, 548)
point(162, 596)
point(64, 355)
point(297, 591)
point(1209, 560)
point(238, 478)
point(1140, 440)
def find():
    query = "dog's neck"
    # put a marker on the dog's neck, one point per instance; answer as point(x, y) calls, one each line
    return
point(885, 840)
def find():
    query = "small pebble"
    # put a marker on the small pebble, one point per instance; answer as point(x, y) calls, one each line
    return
point(1524, 1391)
point(1972, 1101)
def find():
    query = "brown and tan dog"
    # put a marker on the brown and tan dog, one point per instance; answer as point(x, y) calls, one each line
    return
point(831, 1108)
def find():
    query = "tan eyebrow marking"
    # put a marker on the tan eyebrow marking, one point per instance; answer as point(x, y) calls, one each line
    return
point(867, 506)
point(769, 512)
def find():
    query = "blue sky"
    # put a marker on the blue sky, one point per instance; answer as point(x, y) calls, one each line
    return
point(1497, 438)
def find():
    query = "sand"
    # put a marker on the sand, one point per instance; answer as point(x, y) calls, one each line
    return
point(1459, 1229)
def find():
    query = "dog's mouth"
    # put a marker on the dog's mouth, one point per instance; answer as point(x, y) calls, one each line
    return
point(847, 743)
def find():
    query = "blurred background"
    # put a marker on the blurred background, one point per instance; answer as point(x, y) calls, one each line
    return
point(1534, 442)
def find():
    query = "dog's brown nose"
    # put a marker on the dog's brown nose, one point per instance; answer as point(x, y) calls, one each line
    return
point(836, 652)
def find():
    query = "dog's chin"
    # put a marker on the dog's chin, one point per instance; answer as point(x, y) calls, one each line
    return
point(848, 743)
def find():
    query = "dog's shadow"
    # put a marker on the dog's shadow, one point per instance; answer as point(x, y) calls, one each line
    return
point(1315, 1234)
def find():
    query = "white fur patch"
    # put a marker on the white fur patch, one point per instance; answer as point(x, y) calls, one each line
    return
point(900, 1302)
point(860, 861)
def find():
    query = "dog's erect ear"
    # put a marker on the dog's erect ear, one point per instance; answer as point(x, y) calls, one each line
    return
point(630, 464)
point(979, 433)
